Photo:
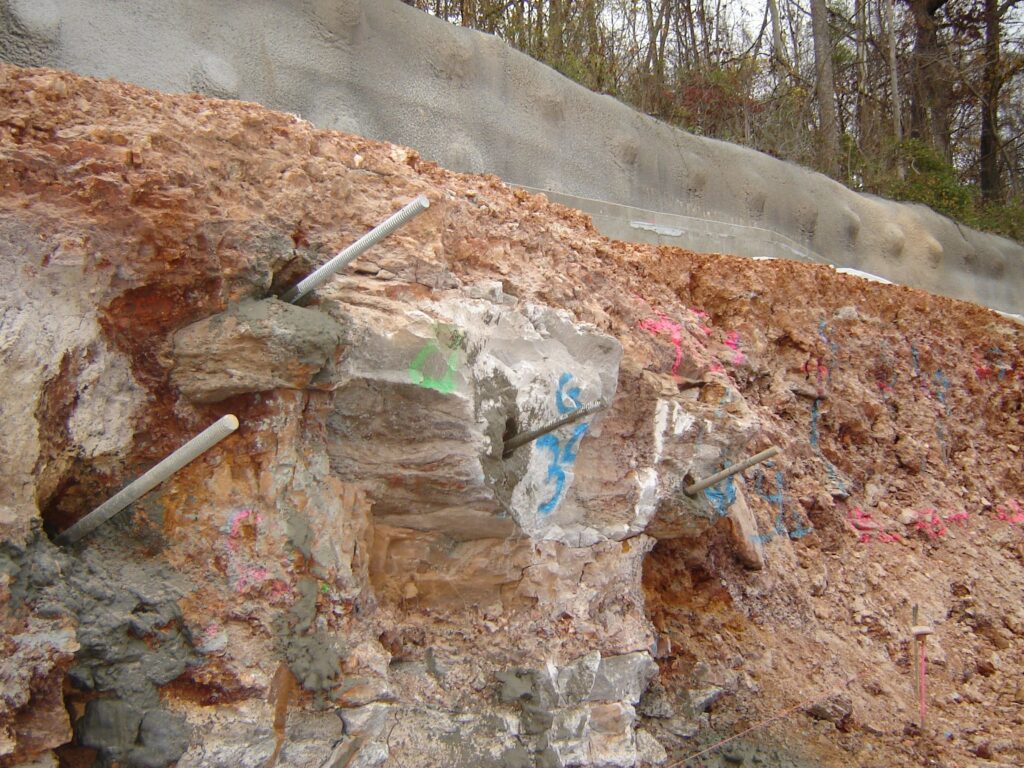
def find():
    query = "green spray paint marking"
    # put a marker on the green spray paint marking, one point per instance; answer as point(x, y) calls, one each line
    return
point(446, 383)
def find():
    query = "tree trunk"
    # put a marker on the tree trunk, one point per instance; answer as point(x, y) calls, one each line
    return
point(860, 32)
point(556, 33)
point(894, 75)
point(929, 107)
point(828, 145)
point(779, 60)
point(991, 183)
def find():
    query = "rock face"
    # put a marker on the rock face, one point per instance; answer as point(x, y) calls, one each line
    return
point(360, 575)
point(253, 347)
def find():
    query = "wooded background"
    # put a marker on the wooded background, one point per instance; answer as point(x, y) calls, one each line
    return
point(912, 99)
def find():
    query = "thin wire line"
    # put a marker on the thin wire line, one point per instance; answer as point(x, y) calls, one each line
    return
point(763, 723)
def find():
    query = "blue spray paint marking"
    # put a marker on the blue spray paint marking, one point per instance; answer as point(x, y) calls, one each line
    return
point(940, 433)
point(833, 474)
point(573, 394)
point(815, 415)
point(942, 391)
point(779, 500)
point(943, 383)
point(919, 374)
point(1001, 366)
point(721, 500)
point(830, 468)
point(560, 458)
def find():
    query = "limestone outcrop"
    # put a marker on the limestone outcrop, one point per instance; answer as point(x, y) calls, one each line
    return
point(361, 575)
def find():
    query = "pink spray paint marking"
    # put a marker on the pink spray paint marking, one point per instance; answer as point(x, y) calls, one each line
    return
point(868, 529)
point(958, 517)
point(242, 574)
point(1011, 512)
point(704, 321)
point(661, 324)
point(733, 342)
point(930, 523)
point(982, 369)
point(235, 525)
point(821, 374)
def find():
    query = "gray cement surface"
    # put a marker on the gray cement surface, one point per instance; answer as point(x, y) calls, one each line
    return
point(466, 100)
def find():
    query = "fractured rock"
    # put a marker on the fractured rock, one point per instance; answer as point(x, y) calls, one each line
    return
point(611, 741)
point(428, 395)
point(623, 678)
point(252, 347)
point(835, 709)
point(648, 749)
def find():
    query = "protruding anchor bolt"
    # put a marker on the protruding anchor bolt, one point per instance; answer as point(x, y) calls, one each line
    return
point(518, 441)
point(729, 471)
point(135, 490)
point(344, 258)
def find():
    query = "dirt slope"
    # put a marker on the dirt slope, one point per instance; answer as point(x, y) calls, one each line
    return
point(357, 578)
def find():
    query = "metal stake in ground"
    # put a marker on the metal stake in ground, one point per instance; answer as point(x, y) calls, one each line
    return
point(135, 490)
point(518, 441)
point(915, 650)
point(718, 477)
point(920, 634)
point(344, 258)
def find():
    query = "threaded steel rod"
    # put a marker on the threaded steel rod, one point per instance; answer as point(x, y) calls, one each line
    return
point(718, 477)
point(344, 258)
point(518, 441)
point(135, 490)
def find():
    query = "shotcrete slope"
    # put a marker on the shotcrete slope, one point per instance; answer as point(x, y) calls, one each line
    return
point(384, 70)
point(358, 577)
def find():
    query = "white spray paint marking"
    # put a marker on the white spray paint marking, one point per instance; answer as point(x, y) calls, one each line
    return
point(681, 420)
point(646, 504)
point(660, 425)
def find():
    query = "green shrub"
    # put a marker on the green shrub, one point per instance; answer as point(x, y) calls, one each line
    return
point(930, 180)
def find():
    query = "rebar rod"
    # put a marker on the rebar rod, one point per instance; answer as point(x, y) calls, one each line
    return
point(915, 645)
point(718, 477)
point(135, 490)
point(313, 281)
point(518, 441)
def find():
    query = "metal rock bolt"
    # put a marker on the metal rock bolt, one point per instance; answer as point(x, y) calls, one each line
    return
point(135, 490)
point(344, 258)
point(523, 438)
point(718, 477)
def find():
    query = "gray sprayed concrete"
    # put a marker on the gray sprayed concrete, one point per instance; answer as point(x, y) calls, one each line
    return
point(131, 641)
point(466, 100)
